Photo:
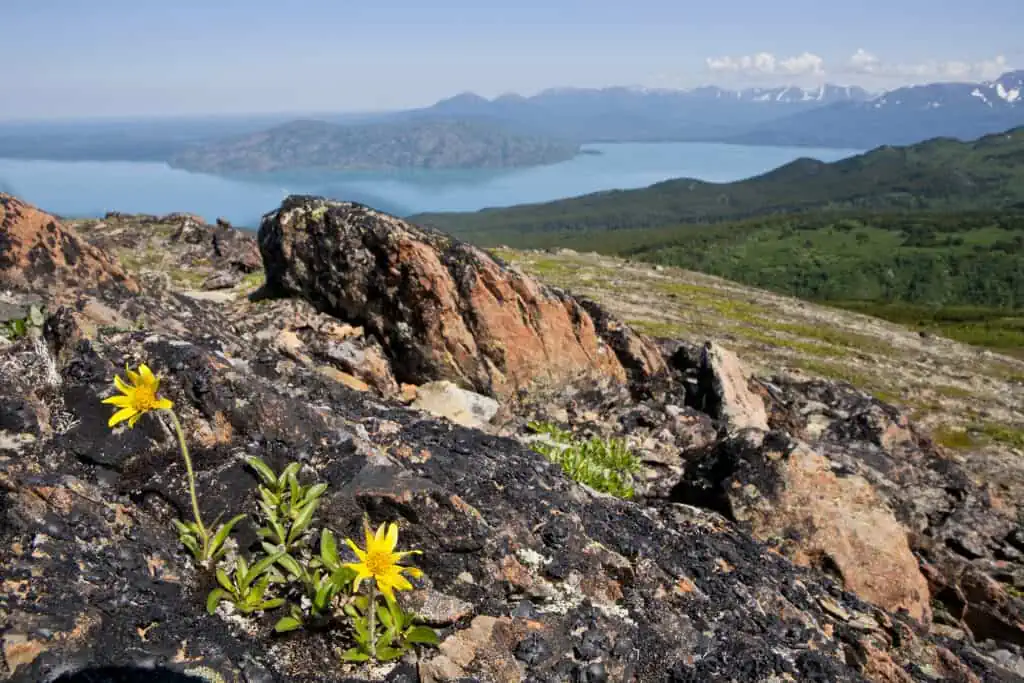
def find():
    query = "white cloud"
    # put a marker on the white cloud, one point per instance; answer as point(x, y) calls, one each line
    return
point(864, 63)
point(767, 64)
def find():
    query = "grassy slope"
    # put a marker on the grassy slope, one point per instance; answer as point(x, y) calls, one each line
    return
point(969, 397)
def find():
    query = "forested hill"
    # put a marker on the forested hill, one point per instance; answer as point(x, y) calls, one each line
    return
point(940, 174)
point(433, 144)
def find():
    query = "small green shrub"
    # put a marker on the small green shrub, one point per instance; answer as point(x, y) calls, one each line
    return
point(606, 465)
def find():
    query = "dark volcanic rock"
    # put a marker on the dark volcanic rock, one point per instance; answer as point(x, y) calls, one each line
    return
point(441, 309)
point(528, 575)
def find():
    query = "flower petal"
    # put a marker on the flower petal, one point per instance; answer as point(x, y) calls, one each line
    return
point(386, 590)
point(133, 419)
point(119, 401)
point(360, 553)
point(147, 375)
point(133, 376)
point(121, 416)
point(399, 582)
point(122, 387)
point(414, 572)
point(391, 540)
point(163, 404)
point(379, 536)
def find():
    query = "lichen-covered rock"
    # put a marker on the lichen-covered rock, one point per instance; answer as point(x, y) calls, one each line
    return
point(786, 491)
point(441, 309)
point(528, 576)
point(37, 251)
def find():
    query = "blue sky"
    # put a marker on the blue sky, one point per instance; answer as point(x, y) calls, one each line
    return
point(69, 58)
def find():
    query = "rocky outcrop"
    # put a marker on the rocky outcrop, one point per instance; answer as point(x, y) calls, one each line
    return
point(440, 308)
point(528, 575)
point(37, 251)
point(786, 491)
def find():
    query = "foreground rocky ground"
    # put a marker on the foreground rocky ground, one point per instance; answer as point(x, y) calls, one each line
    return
point(785, 527)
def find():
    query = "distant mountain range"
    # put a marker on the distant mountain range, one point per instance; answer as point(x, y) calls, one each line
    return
point(469, 131)
point(422, 144)
point(827, 116)
point(638, 114)
point(903, 116)
point(940, 174)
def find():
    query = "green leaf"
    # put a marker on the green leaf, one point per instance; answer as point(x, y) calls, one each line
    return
point(279, 534)
point(255, 595)
point(324, 595)
point(263, 470)
point(343, 578)
point(273, 603)
point(291, 565)
point(222, 533)
point(242, 568)
point(386, 654)
point(354, 654)
point(423, 635)
point(181, 527)
point(362, 629)
point(329, 549)
point(315, 491)
point(268, 501)
point(214, 598)
point(191, 543)
point(302, 521)
point(225, 581)
point(285, 624)
point(261, 567)
point(294, 490)
point(384, 616)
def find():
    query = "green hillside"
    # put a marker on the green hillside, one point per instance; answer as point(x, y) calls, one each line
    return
point(930, 235)
point(937, 175)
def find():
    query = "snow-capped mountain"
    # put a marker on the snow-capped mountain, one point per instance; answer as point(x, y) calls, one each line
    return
point(821, 95)
point(828, 115)
point(623, 114)
point(1005, 91)
point(902, 116)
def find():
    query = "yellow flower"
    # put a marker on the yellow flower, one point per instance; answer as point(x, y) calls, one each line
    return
point(380, 561)
point(138, 398)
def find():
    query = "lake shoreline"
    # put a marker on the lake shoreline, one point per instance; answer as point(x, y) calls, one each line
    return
point(92, 189)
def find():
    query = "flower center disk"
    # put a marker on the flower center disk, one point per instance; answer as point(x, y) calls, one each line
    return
point(378, 563)
point(144, 399)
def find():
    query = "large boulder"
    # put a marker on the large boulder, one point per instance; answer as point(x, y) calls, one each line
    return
point(443, 310)
point(788, 493)
point(36, 251)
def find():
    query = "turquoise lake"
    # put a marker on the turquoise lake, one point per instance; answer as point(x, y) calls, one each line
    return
point(94, 188)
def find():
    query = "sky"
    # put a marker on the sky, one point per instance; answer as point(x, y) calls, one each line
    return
point(116, 58)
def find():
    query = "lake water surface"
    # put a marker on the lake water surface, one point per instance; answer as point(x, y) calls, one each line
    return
point(93, 188)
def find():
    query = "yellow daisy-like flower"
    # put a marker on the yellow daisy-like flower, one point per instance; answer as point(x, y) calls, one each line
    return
point(379, 561)
point(138, 398)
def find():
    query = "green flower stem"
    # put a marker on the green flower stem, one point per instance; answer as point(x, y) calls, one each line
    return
point(372, 619)
point(191, 478)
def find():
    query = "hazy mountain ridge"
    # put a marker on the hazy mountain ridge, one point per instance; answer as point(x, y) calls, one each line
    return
point(624, 114)
point(436, 144)
point(902, 116)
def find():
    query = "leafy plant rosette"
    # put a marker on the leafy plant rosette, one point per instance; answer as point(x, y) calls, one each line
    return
point(319, 588)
